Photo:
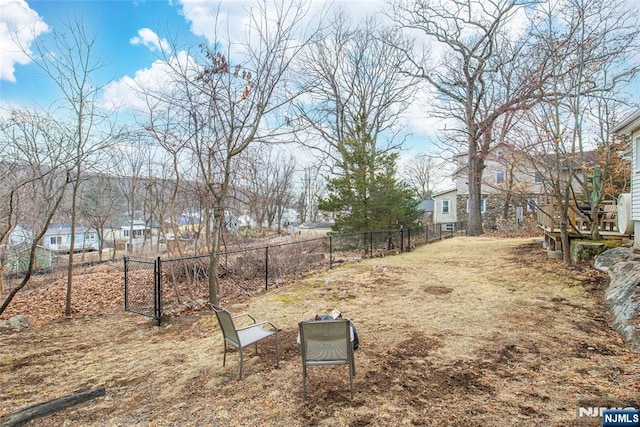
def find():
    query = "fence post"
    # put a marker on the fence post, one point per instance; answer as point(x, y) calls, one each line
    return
point(364, 244)
point(126, 280)
point(330, 251)
point(157, 294)
point(266, 268)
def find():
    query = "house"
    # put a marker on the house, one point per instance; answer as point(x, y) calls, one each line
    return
point(444, 209)
point(509, 182)
point(57, 238)
point(630, 128)
point(21, 233)
point(17, 258)
point(427, 207)
point(315, 229)
point(138, 232)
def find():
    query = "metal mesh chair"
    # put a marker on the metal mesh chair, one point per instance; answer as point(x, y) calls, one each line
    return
point(244, 336)
point(326, 342)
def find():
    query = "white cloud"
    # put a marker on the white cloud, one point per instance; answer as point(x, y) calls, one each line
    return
point(19, 26)
point(126, 92)
point(204, 17)
point(151, 40)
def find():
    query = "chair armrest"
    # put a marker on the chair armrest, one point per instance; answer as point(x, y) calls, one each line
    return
point(275, 328)
point(244, 315)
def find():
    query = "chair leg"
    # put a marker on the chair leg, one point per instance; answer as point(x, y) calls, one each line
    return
point(304, 382)
point(351, 374)
point(240, 368)
point(224, 355)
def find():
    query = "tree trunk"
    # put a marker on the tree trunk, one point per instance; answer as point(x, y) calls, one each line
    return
point(474, 227)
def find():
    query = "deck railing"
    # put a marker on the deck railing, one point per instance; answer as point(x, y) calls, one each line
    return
point(549, 218)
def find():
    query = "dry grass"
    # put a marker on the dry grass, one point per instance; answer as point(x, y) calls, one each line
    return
point(464, 332)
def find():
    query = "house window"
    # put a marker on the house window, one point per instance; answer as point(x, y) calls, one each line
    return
point(537, 178)
point(55, 240)
point(445, 206)
point(500, 177)
point(125, 233)
point(532, 204)
point(483, 205)
point(638, 155)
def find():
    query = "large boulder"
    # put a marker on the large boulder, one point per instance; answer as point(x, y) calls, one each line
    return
point(621, 298)
point(16, 323)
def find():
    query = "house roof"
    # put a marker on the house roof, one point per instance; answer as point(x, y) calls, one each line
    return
point(65, 228)
point(629, 124)
point(317, 225)
point(442, 193)
point(426, 205)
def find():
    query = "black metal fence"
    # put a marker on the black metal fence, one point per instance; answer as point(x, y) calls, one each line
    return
point(155, 288)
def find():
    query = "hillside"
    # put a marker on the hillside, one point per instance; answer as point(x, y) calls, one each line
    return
point(464, 332)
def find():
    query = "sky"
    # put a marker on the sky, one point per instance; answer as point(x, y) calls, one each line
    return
point(130, 36)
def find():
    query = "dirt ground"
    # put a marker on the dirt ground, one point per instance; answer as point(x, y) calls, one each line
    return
point(464, 332)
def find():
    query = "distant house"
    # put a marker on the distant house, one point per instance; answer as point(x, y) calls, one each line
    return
point(630, 129)
point(138, 232)
point(17, 258)
point(20, 234)
point(444, 208)
point(315, 229)
point(506, 172)
point(427, 207)
point(58, 238)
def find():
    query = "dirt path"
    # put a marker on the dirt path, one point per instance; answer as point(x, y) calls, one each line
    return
point(464, 332)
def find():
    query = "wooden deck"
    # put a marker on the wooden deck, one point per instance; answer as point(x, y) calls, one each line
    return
point(549, 220)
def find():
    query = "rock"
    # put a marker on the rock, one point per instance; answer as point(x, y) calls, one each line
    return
point(584, 249)
point(623, 267)
point(16, 323)
point(612, 259)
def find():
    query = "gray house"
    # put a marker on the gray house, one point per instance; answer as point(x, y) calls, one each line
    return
point(58, 238)
point(629, 205)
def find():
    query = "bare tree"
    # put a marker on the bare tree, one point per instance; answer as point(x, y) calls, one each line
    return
point(478, 47)
point(589, 45)
point(100, 204)
point(353, 83)
point(423, 172)
point(129, 159)
point(269, 180)
point(72, 65)
point(35, 172)
point(313, 189)
point(227, 96)
point(351, 115)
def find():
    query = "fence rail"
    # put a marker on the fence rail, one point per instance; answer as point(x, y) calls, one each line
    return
point(160, 287)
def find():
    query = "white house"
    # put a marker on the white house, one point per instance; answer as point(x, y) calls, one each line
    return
point(630, 129)
point(444, 210)
point(58, 238)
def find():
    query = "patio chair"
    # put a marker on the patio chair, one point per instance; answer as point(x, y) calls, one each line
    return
point(244, 336)
point(326, 342)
